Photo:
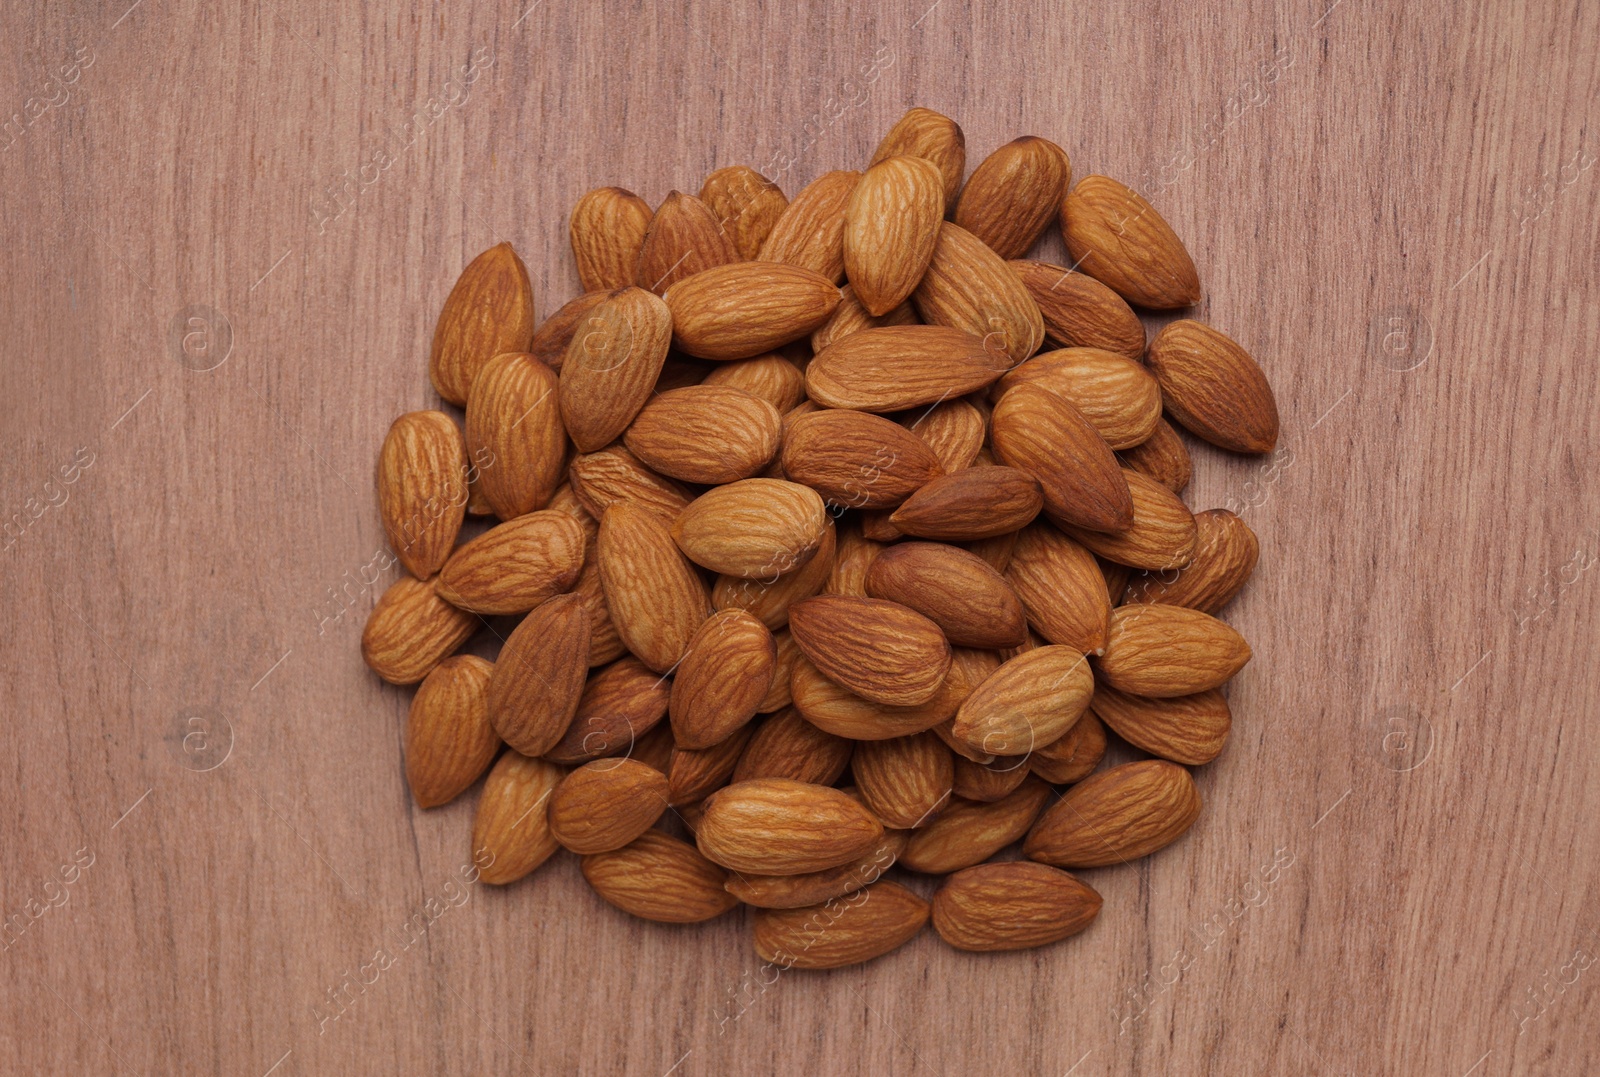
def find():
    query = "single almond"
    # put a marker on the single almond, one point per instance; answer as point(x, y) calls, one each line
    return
point(684, 238)
point(904, 781)
point(1012, 906)
point(1165, 651)
point(620, 705)
point(657, 599)
point(695, 774)
point(924, 133)
point(953, 588)
point(839, 711)
point(515, 566)
point(606, 804)
point(779, 697)
point(1185, 729)
point(722, 679)
point(851, 317)
point(774, 826)
point(969, 287)
point(810, 232)
point(1213, 388)
point(850, 566)
point(612, 475)
point(422, 489)
point(1115, 393)
point(1225, 553)
point(1163, 532)
point(967, 833)
point(705, 434)
point(868, 923)
point(514, 421)
point(1079, 311)
point(555, 333)
point(954, 429)
point(1116, 816)
point(770, 377)
point(903, 366)
point(611, 366)
point(449, 741)
point(788, 746)
point(770, 598)
point(816, 887)
point(1029, 702)
point(607, 229)
point(891, 225)
point(746, 204)
point(988, 783)
point(755, 528)
point(882, 651)
point(1037, 431)
point(511, 830)
point(1116, 577)
point(658, 877)
point(740, 310)
point(411, 630)
point(1014, 194)
point(857, 460)
point(1061, 589)
point(977, 503)
point(538, 680)
point(1073, 757)
point(1162, 456)
point(488, 312)
point(1118, 238)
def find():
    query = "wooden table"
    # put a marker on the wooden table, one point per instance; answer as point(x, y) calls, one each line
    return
point(229, 231)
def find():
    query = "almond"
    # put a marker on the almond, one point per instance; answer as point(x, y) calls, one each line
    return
point(969, 287)
point(555, 333)
point(1037, 431)
point(906, 780)
point(514, 415)
point(1061, 589)
point(1163, 531)
point(882, 651)
point(411, 630)
point(1073, 757)
point(722, 679)
point(1113, 392)
point(511, 831)
point(695, 774)
point(658, 877)
point(1119, 239)
point(829, 706)
point(746, 204)
point(846, 931)
point(769, 377)
point(1116, 816)
point(1162, 457)
point(996, 551)
point(684, 238)
point(620, 704)
point(706, 434)
point(788, 746)
point(856, 460)
point(977, 503)
point(956, 590)
point(815, 887)
point(740, 310)
point(990, 782)
point(1186, 729)
point(1165, 651)
point(770, 599)
point(611, 366)
point(489, 311)
point(539, 678)
point(968, 833)
point(1012, 906)
point(657, 599)
point(1079, 311)
point(756, 528)
point(607, 229)
point(924, 133)
point(854, 560)
point(604, 643)
point(606, 804)
point(902, 366)
point(1014, 195)
point(602, 479)
point(449, 741)
point(810, 232)
point(1029, 702)
point(1213, 389)
point(778, 696)
point(422, 489)
point(953, 429)
point(1116, 577)
point(851, 317)
point(774, 826)
point(515, 566)
point(1225, 553)
point(891, 224)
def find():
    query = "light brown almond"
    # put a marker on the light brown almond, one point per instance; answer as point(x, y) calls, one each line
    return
point(607, 229)
point(1225, 553)
point(815, 887)
point(1116, 816)
point(656, 597)
point(775, 826)
point(771, 377)
point(1162, 456)
point(1012, 906)
point(611, 366)
point(722, 679)
point(954, 429)
point(757, 528)
point(1074, 756)
point(904, 781)
point(1079, 311)
point(515, 566)
point(1061, 588)
point(891, 225)
point(857, 460)
point(1163, 531)
point(449, 741)
point(705, 434)
point(514, 425)
point(1213, 388)
point(882, 651)
point(695, 774)
point(902, 366)
point(1165, 651)
point(684, 238)
point(953, 588)
point(1029, 702)
point(846, 931)
point(411, 630)
point(788, 746)
point(1113, 392)
point(968, 833)
point(851, 317)
point(1118, 238)
point(746, 204)
point(555, 333)
point(1186, 729)
point(744, 309)
point(840, 711)
point(1014, 194)
point(602, 479)
point(422, 489)
point(977, 503)
point(1037, 431)
point(810, 232)
point(538, 680)
point(770, 599)
point(511, 830)
point(606, 804)
point(620, 705)
point(488, 312)
point(924, 133)
point(658, 877)
point(778, 696)
point(969, 287)
point(856, 553)
point(988, 783)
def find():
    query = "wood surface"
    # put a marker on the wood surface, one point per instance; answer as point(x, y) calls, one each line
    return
point(211, 312)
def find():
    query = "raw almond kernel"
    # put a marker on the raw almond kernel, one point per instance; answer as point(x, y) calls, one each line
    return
point(604, 805)
point(1119, 239)
point(611, 366)
point(1225, 553)
point(850, 567)
point(657, 599)
point(602, 479)
point(1116, 816)
point(620, 705)
point(511, 831)
point(740, 310)
point(866, 924)
point(810, 232)
point(956, 590)
point(788, 746)
point(770, 599)
point(851, 317)
point(695, 774)
point(841, 712)
point(778, 696)
point(449, 741)
point(904, 781)
point(514, 416)
point(891, 224)
point(1113, 392)
point(1029, 702)
point(1012, 906)
point(1014, 195)
point(1037, 431)
point(604, 643)
point(607, 229)
point(755, 528)
point(968, 833)
point(515, 566)
point(534, 691)
point(706, 434)
point(422, 489)
point(770, 377)
point(746, 204)
point(1187, 729)
point(857, 460)
point(989, 782)
point(658, 877)
point(1061, 589)
point(953, 429)
point(1213, 388)
point(1162, 457)
point(411, 630)
point(488, 312)
point(684, 238)
point(815, 887)
point(1079, 311)
point(774, 826)
point(1073, 757)
point(1165, 651)
point(924, 133)
point(550, 340)
point(1163, 531)
point(978, 503)
point(882, 651)
point(970, 287)
point(722, 679)
point(902, 366)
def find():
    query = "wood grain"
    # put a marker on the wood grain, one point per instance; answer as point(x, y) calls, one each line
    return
point(1392, 205)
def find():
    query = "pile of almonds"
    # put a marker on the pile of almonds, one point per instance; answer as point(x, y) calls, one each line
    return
point(849, 578)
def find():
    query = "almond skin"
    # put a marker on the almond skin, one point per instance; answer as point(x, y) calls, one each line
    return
point(411, 630)
point(606, 804)
point(746, 204)
point(1073, 757)
point(774, 826)
point(851, 317)
point(968, 833)
point(602, 479)
point(1116, 816)
point(722, 679)
point(955, 589)
point(840, 711)
point(607, 229)
point(1014, 195)
point(788, 746)
point(846, 931)
point(449, 741)
point(854, 560)
point(514, 414)
point(611, 366)
point(1162, 456)
point(488, 312)
point(1165, 651)
point(1213, 388)
point(534, 691)
point(1029, 702)
point(684, 238)
point(511, 831)
point(422, 489)
point(857, 460)
point(706, 434)
point(658, 877)
point(757, 528)
point(989, 782)
point(1113, 392)
point(778, 696)
point(771, 598)
point(1225, 554)
point(1039, 432)
point(1186, 729)
point(1012, 906)
point(810, 232)
point(744, 309)
point(924, 133)
point(1163, 532)
point(891, 225)
point(1119, 239)
point(882, 651)
point(903, 366)
point(695, 774)
point(977, 503)
point(514, 567)
point(906, 780)
point(620, 704)
point(969, 287)
point(815, 887)
point(656, 598)
point(1061, 589)
point(1079, 311)
point(770, 377)
point(555, 333)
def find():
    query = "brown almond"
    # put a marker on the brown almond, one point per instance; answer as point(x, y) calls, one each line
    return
point(851, 317)
point(904, 781)
point(1079, 311)
point(977, 503)
point(850, 566)
point(774, 826)
point(1186, 729)
point(658, 877)
point(924, 133)
point(1116, 816)
point(778, 696)
point(607, 229)
point(956, 590)
point(891, 225)
point(1163, 532)
point(1213, 388)
point(538, 680)
point(987, 783)
point(422, 489)
point(1113, 392)
point(969, 287)
point(902, 366)
point(511, 830)
point(859, 927)
point(1073, 757)
point(788, 746)
point(488, 312)
point(514, 425)
point(1012, 906)
point(1225, 553)
point(840, 711)
point(604, 643)
point(810, 232)
point(1061, 589)
point(996, 551)
point(1165, 651)
point(857, 460)
point(684, 238)
point(411, 630)
point(815, 887)
point(882, 651)
point(1029, 702)
point(515, 566)
point(706, 434)
point(722, 679)
point(1014, 195)
point(968, 833)
point(746, 308)
point(449, 741)
point(954, 429)
point(771, 598)
point(555, 333)
point(755, 528)
point(746, 204)
point(602, 479)
point(695, 774)
point(620, 705)
point(1037, 431)
point(611, 366)
point(656, 598)
point(1118, 238)
point(770, 377)
point(606, 804)
point(1162, 456)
